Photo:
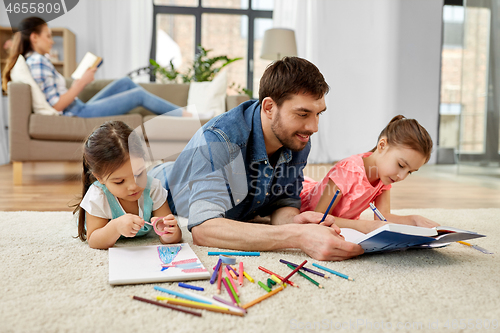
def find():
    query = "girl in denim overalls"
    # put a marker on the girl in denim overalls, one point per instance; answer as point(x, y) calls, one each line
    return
point(118, 196)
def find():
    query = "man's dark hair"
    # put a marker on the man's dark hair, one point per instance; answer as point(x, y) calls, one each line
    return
point(290, 76)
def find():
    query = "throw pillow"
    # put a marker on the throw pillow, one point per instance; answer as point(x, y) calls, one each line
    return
point(209, 98)
point(21, 73)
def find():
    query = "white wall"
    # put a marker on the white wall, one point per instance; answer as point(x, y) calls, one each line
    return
point(381, 58)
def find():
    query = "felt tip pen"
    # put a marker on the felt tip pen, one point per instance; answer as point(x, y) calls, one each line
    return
point(188, 286)
point(216, 253)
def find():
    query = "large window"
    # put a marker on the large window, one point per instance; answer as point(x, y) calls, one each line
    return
point(227, 27)
point(470, 89)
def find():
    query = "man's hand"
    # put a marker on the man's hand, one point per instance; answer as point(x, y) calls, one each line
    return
point(323, 243)
point(315, 218)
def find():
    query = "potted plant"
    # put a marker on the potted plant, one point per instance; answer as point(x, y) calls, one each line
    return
point(204, 69)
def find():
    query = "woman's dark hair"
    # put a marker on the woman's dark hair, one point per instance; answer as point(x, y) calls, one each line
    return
point(289, 76)
point(104, 151)
point(21, 44)
point(407, 133)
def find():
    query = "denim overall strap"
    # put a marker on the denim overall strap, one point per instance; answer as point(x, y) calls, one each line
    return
point(117, 211)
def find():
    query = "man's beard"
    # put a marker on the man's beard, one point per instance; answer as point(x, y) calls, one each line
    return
point(289, 142)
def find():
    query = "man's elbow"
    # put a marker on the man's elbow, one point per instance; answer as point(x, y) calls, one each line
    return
point(199, 235)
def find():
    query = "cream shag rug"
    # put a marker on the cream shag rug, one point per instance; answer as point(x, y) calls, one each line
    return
point(52, 282)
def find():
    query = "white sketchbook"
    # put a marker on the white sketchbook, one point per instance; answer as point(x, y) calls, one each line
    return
point(154, 263)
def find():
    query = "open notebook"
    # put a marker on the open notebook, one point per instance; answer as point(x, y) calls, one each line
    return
point(391, 237)
point(154, 263)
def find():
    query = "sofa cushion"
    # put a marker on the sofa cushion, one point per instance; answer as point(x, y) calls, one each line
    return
point(208, 99)
point(166, 128)
point(64, 128)
point(21, 73)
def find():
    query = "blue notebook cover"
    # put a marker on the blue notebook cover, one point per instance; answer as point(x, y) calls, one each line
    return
point(392, 237)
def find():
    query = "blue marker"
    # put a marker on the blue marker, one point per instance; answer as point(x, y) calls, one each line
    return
point(377, 212)
point(255, 254)
point(188, 286)
point(330, 206)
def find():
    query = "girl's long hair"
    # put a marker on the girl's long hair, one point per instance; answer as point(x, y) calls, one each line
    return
point(21, 44)
point(407, 133)
point(104, 151)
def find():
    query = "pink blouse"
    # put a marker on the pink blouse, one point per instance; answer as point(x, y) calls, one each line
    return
point(350, 177)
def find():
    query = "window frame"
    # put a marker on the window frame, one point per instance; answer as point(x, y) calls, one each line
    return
point(197, 12)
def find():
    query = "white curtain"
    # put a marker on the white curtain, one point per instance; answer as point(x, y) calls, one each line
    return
point(120, 32)
point(380, 58)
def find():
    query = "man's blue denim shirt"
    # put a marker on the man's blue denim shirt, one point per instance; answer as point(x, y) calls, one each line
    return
point(224, 171)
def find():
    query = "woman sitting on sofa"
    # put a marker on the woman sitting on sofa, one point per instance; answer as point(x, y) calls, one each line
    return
point(34, 40)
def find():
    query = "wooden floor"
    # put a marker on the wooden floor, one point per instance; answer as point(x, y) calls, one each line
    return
point(51, 186)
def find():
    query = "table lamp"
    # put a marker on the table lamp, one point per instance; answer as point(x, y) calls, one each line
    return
point(278, 43)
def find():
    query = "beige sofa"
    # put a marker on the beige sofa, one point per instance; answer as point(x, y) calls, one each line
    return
point(34, 137)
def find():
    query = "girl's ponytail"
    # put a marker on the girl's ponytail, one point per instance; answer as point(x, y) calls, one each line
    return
point(407, 133)
point(87, 180)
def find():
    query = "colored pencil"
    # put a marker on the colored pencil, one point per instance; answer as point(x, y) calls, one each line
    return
point(330, 205)
point(266, 288)
point(261, 298)
point(233, 291)
point(377, 212)
point(305, 269)
point(240, 280)
point(201, 306)
point(178, 294)
point(477, 247)
point(189, 286)
point(231, 305)
point(145, 300)
point(219, 279)
point(215, 302)
point(278, 276)
point(307, 277)
point(248, 277)
point(229, 291)
point(214, 275)
point(294, 271)
point(333, 272)
point(231, 280)
point(278, 280)
point(216, 253)
point(184, 301)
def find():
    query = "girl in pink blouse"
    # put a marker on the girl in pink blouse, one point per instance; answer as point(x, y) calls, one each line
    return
point(403, 147)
